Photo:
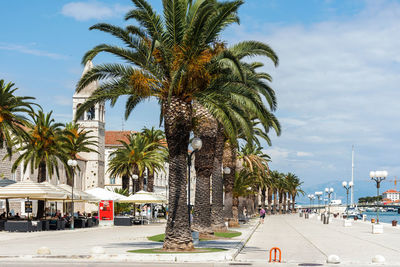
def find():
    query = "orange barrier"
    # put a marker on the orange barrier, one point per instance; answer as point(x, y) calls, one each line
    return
point(275, 249)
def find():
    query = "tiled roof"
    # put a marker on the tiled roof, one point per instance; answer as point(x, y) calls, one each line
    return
point(391, 191)
point(112, 137)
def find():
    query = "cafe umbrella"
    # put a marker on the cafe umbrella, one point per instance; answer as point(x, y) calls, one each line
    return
point(31, 190)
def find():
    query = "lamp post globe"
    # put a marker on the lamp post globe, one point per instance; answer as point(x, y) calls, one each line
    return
point(344, 183)
point(351, 184)
point(227, 170)
point(196, 143)
point(326, 189)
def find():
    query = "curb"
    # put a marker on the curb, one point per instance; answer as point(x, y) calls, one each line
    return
point(242, 244)
point(228, 255)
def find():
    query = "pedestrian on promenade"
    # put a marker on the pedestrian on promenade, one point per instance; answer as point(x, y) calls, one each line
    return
point(262, 215)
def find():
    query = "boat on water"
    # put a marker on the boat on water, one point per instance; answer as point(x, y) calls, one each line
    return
point(352, 212)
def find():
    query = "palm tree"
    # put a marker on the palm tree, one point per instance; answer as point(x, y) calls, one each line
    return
point(12, 121)
point(275, 177)
point(135, 156)
point(169, 60)
point(157, 138)
point(294, 184)
point(74, 141)
point(42, 149)
point(244, 181)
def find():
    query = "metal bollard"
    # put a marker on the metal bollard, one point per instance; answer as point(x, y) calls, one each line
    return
point(326, 219)
point(322, 217)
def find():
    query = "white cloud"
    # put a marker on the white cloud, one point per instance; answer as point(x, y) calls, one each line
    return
point(303, 154)
point(83, 11)
point(337, 85)
point(29, 50)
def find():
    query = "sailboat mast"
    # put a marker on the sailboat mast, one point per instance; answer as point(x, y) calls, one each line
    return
point(352, 175)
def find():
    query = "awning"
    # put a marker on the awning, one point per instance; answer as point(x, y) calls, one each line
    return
point(32, 190)
point(142, 197)
point(103, 194)
point(78, 194)
point(6, 182)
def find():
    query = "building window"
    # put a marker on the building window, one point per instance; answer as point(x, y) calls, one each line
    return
point(112, 180)
point(91, 113)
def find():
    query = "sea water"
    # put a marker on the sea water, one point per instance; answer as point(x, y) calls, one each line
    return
point(386, 217)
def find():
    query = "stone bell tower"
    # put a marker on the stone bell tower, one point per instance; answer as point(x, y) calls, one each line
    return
point(93, 120)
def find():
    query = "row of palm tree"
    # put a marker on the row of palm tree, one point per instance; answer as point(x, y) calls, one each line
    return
point(203, 87)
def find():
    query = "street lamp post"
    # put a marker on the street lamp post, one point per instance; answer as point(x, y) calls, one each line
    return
point(378, 177)
point(196, 145)
point(329, 191)
point(311, 197)
point(347, 187)
point(319, 194)
point(135, 177)
point(72, 163)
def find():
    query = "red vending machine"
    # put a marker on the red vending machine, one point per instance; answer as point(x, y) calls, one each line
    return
point(106, 211)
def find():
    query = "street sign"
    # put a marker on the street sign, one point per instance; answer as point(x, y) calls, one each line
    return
point(28, 206)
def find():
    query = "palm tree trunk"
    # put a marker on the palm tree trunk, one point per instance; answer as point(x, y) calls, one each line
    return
point(234, 222)
point(177, 124)
point(284, 202)
point(125, 182)
point(293, 202)
point(41, 178)
point(135, 185)
point(141, 182)
point(263, 198)
point(217, 218)
point(275, 201)
point(206, 129)
point(150, 182)
point(229, 160)
point(280, 201)
point(269, 200)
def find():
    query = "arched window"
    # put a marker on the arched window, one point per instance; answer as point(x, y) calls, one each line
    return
point(81, 118)
point(91, 113)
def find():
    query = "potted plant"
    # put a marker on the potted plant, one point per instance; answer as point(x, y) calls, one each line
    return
point(372, 220)
point(394, 223)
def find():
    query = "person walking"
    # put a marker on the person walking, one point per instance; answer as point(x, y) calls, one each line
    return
point(262, 215)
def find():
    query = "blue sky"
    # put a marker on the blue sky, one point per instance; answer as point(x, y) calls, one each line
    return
point(337, 82)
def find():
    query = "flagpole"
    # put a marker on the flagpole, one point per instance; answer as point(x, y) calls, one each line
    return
point(352, 175)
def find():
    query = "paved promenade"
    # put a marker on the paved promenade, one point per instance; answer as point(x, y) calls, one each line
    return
point(304, 242)
point(309, 241)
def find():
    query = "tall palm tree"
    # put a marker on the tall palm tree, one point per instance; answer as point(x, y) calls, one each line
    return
point(243, 187)
point(169, 59)
point(157, 138)
point(275, 177)
point(12, 121)
point(74, 141)
point(42, 149)
point(294, 186)
point(135, 156)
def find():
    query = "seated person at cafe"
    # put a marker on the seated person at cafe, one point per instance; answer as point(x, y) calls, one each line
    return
point(17, 216)
point(3, 215)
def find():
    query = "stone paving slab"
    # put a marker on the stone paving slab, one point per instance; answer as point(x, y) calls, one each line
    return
point(310, 241)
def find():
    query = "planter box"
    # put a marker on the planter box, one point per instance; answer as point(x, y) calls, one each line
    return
point(346, 223)
point(377, 228)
